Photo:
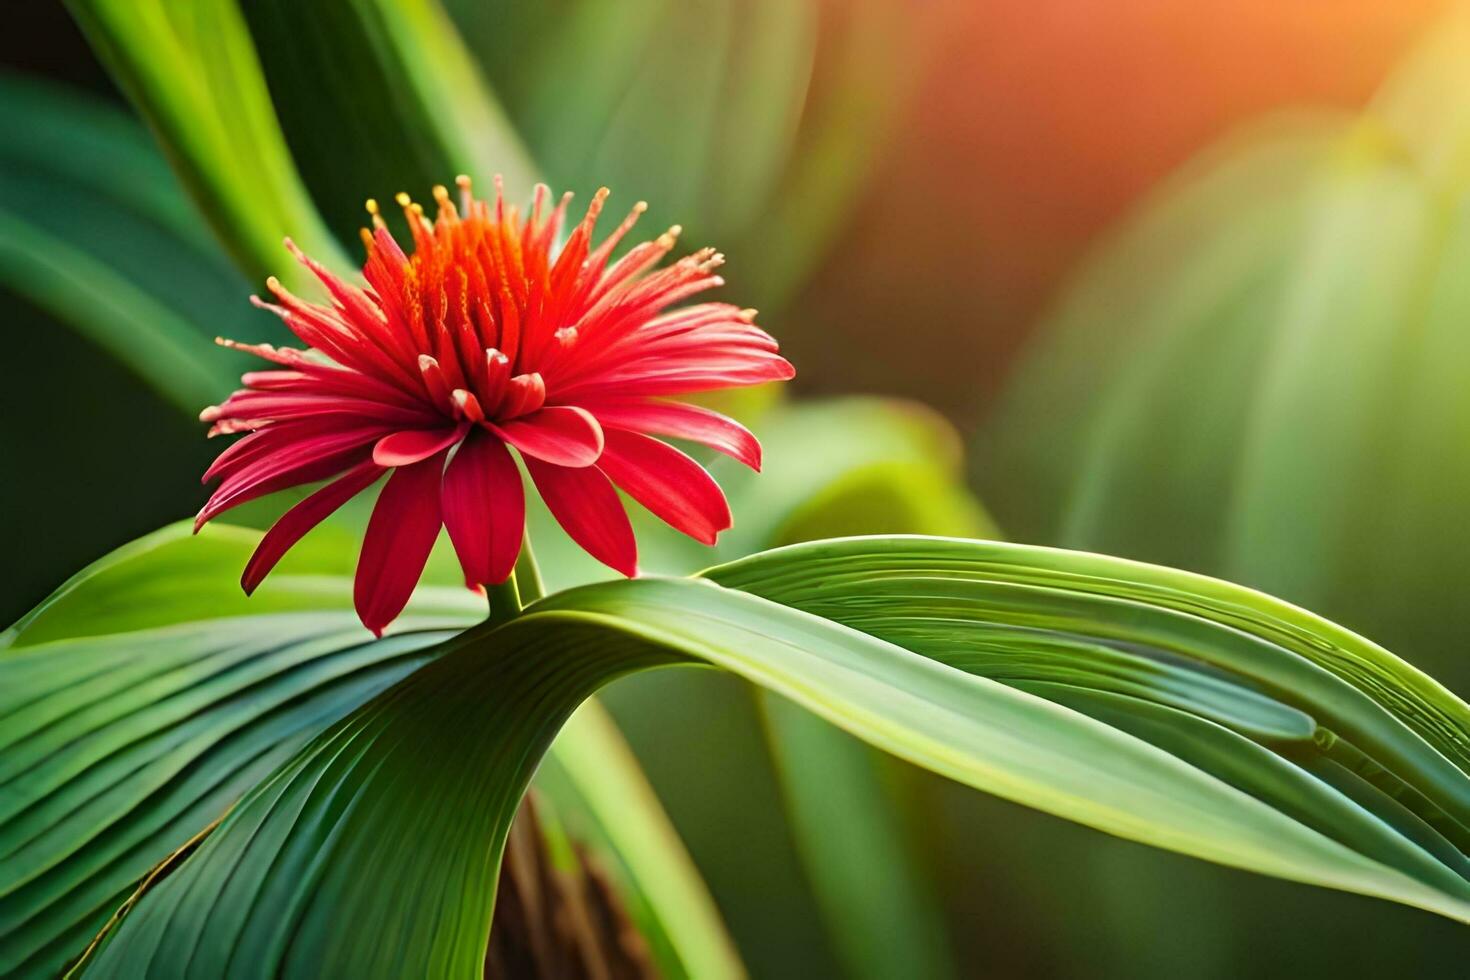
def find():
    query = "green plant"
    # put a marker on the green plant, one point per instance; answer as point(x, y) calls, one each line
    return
point(276, 760)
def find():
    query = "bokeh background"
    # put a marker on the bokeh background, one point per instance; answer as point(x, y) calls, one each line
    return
point(1191, 282)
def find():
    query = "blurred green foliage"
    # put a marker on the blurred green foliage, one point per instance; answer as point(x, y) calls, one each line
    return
point(753, 123)
point(1262, 374)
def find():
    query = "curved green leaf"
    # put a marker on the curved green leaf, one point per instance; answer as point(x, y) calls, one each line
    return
point(281, 887)
point(204, 691)
point(135, 708)
point(974, 605)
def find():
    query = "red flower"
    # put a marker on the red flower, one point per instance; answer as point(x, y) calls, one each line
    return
point(489, 338)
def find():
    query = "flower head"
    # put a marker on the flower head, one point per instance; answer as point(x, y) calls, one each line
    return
point(489, 338)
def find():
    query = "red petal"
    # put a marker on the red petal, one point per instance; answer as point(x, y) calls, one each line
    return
point(560, 434)
point(249, 404)
point(293, 464)
point(587, 507)
point(411, 445)
point(692, 422)
point(399, 536)
point(671, 485)
point(302, 518)
point(484, 509)
point(677, 377)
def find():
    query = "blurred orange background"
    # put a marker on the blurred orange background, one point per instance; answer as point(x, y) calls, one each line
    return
point(1034, 124)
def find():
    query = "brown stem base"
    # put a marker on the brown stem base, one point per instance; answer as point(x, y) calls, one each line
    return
point(559, 916)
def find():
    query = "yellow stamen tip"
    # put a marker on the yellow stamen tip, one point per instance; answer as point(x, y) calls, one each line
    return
point(403, 199)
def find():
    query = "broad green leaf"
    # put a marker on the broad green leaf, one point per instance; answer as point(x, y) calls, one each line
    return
point(193, 74)
point(145, 697)
point(176, 596)
point(317, 857)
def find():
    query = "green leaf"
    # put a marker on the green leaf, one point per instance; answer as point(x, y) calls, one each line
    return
point(146, 696)
point(951, 600)
point(411, 795)
point(192, 72)
point(160, 627)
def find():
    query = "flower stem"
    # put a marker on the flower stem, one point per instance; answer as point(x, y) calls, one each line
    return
point(505, 601)
point(528, 573)
point(522, 588)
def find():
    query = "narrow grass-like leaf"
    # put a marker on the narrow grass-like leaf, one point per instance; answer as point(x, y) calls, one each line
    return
point(881, 909)
point(590, 764)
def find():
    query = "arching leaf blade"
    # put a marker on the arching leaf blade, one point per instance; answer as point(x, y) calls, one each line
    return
point(163, 622)
point(283, 876)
